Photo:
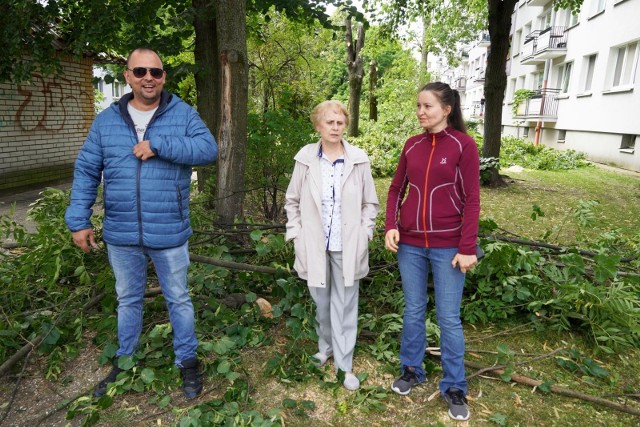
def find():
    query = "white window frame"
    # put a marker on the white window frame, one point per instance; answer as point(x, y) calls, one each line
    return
point(598, 7)
point(562, 135)
point(623, 64)
point(564, 76)
point(588, 71)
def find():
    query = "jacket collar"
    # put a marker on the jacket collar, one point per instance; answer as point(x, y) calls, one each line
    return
point(165, 99)
point(352, 154)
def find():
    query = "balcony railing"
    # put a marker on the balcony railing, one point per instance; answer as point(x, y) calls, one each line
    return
point(543, 104)
point(460, 83)
point(484, 39)
point(541, 45)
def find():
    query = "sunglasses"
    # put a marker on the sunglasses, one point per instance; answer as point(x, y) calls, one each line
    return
point(140, 72)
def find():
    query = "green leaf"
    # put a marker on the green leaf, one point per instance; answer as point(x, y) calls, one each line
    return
point(289, 403)
point(223, 345)
point(147, 375)
point(224, 366)
point(105, 401)
point(126, 363)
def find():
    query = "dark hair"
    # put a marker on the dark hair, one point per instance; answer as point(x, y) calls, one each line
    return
point(450, 97)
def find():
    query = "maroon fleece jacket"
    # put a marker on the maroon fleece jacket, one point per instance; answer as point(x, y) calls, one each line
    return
point(442, 207)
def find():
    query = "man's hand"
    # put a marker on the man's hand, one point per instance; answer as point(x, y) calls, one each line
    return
point(142, 150)
point(84, 239)
point(465, 262)
point(391, 240)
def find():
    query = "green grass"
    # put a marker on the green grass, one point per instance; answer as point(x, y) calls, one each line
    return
point(557, 193)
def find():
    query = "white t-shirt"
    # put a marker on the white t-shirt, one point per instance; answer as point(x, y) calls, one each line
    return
point(140, 119)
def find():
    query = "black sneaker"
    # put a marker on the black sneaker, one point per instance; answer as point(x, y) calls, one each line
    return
point(191, 378)
point(402, 385)
point(458, 409)
point(101, 388)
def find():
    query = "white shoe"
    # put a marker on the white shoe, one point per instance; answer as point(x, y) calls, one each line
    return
point(320, 359)
point(351, 382)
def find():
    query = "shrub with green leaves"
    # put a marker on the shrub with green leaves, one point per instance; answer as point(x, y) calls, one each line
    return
point(274, 139)
point(516, 151)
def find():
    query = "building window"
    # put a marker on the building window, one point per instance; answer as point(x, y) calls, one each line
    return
point(628, 143)
point(525, 132)
point(588, 67)
point(544, 21)
point(562, 134)
point(571, 18)
point(517, 37)
point(622, 64)
point(564, 76)
point(598, 6)
point(99, 85)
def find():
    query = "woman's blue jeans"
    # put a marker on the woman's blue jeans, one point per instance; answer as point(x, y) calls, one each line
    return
point(129, 264)
point(415, 265)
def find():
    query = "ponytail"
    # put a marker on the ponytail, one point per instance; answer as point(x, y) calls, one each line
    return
point(450, 97)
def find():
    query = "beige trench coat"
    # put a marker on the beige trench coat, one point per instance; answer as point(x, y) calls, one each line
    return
point(304, 212)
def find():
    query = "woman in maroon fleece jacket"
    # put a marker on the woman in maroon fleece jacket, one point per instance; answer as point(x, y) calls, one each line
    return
point(434, 230)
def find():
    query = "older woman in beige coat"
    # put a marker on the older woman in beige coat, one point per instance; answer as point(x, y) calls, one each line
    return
point(331, 206)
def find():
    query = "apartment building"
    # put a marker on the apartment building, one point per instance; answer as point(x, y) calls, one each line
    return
point(111, 91)
point(573, 79)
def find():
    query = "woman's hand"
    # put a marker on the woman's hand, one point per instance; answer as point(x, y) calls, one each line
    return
point(465, 262)
point(391, 240)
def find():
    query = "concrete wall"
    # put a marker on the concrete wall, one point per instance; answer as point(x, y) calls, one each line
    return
point(43, 125)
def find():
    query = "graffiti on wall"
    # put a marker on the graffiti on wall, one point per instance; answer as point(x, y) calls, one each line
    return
point(53, 105)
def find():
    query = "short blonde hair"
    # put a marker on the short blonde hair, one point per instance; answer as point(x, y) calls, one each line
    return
point(336, 106)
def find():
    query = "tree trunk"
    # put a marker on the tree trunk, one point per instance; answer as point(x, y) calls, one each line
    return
point(424, 50)
point(233, 98)
point(373, 84)
point(356, 74)
point(496, 78)
point(207, 74)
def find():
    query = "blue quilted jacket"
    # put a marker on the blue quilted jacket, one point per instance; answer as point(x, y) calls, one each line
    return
point(146, 203)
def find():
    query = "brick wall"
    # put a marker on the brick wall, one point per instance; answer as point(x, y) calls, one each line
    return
point(43, 125)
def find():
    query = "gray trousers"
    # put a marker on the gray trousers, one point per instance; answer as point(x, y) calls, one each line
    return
point(336, 314)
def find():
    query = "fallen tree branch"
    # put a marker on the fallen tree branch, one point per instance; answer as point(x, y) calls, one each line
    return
point(521, 379)
point(557, 248)
point(28, 347)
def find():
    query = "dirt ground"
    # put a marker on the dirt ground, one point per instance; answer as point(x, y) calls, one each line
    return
point(38, 401)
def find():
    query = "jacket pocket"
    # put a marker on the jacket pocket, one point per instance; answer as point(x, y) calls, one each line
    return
point(300, 263)
point(362, 254)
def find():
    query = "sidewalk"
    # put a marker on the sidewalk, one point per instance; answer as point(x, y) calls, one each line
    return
point(22, 201)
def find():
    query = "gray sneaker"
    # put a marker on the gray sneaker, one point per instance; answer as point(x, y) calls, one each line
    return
point(458, 409)
point(402, 385)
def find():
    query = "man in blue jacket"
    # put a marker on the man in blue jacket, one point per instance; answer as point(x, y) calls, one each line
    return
point(142, 148)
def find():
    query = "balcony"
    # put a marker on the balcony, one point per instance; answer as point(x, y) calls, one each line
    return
point(538, 2)
point(484, 40)
point(463, 54)
point(541, 45)
point(460, 84)
point(542, 105)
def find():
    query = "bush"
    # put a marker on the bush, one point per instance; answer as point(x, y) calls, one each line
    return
point(516, 151)
point(274, 139)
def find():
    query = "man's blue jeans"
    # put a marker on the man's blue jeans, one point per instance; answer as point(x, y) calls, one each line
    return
point(129, 264)
point(415, 264)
